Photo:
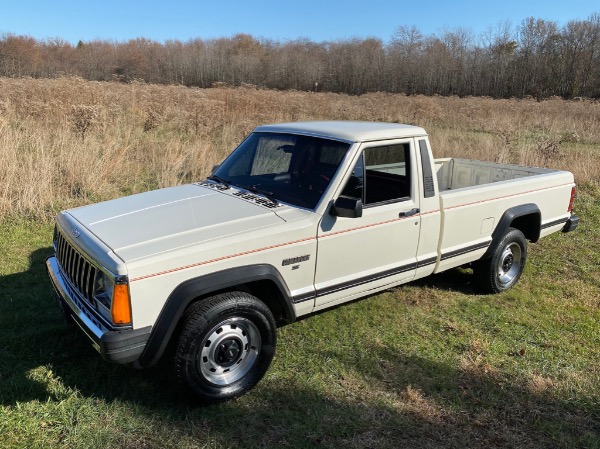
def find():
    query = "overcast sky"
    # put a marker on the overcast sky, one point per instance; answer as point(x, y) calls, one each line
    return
point(318, 20)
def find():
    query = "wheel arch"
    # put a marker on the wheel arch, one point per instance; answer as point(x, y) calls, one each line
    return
point(262, 280)
point(527, 218)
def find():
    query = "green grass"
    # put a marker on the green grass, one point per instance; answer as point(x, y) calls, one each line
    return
point(430, 364)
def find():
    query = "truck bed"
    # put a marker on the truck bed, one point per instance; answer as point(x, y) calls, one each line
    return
point(475, 194)
point(455, 173)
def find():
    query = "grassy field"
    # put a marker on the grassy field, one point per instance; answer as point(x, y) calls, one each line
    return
point(67, 142)
point(430, 364)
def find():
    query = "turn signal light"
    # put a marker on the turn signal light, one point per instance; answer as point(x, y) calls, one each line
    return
point(121, 305)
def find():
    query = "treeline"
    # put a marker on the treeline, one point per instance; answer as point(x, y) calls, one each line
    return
point(537, 58)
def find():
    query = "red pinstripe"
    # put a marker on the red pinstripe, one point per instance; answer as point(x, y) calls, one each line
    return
point(508, 196)
point(231, 256)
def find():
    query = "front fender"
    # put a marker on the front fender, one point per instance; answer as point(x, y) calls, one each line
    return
point(192, 289)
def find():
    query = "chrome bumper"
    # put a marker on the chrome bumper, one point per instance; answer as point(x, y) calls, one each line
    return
point(124, 346)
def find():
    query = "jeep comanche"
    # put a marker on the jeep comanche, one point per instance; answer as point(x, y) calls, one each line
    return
point(299, 218)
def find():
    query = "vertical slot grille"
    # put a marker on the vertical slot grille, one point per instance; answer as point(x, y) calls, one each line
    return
point(80, 272)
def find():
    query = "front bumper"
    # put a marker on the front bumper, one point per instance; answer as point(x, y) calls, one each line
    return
point(119, 346)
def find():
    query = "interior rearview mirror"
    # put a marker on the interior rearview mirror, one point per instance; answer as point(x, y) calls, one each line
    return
point(287, 148)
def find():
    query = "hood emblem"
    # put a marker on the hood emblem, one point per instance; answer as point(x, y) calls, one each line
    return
point(75, 233)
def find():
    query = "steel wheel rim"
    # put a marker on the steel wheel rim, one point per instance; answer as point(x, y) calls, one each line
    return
point(229, 351)
point(509, 264)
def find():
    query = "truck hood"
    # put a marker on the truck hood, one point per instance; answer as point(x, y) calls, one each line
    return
point(151, 223)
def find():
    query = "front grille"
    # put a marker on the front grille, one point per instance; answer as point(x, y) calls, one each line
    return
point(80, 272)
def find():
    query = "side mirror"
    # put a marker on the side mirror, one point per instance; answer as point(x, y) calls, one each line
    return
point(347, 207)
point(214, 169)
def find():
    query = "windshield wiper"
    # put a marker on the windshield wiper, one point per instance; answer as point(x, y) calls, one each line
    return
point(219, 179)
point(265, 193)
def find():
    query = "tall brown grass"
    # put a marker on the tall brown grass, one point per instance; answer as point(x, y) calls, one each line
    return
point(66, 142)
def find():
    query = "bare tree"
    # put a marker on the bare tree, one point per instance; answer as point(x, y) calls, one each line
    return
point(536, 58)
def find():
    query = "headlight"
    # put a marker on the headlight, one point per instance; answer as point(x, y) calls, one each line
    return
point(103, 289)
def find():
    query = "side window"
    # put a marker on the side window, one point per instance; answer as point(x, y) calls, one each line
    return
point(387, 173)
point(381, 174)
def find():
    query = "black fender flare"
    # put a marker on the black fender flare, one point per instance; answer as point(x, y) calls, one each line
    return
point(532, 228)
point(188, 291)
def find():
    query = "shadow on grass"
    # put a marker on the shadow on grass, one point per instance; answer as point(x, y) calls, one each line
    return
point(411, 402)
point(34, 334)
point(456, 279)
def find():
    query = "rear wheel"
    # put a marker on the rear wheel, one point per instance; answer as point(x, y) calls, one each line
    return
point(225, 347)
point(504, 268)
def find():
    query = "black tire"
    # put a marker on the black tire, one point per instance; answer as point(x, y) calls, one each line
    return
point(225, 346)
point(504, 268)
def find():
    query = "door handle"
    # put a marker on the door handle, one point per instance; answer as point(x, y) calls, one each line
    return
point(409, 213)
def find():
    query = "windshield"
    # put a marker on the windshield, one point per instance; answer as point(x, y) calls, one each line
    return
point(286, 167)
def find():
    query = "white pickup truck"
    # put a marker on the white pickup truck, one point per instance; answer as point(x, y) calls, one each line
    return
point(299, 218)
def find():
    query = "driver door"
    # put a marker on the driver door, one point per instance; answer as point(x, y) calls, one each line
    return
point(378, 249)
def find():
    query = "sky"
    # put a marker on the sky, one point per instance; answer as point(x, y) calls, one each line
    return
point(280, 20)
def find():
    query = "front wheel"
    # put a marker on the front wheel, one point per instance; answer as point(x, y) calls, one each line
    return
point(225, 346)
point(504, 268)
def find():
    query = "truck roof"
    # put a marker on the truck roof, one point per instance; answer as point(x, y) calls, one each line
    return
point(348, 131)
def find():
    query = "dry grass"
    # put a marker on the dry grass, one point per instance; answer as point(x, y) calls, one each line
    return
point(430, 364)
point(66, 142)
